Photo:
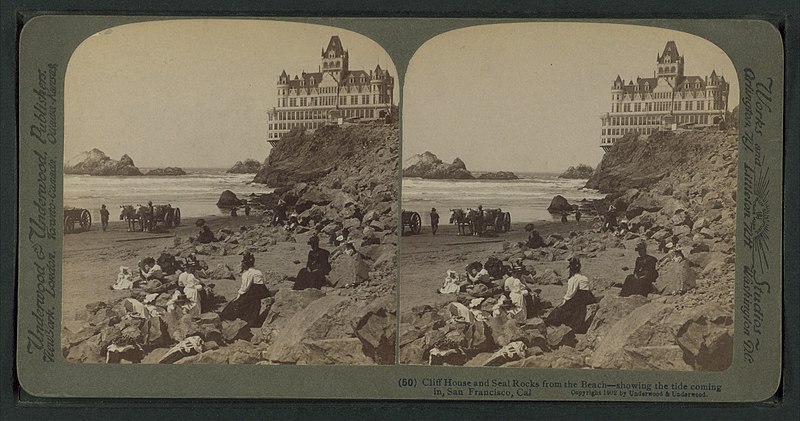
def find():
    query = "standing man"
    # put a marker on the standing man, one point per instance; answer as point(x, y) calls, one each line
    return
point(246, 209)
point(103, 217)
point(578, 215)
point(434, 221)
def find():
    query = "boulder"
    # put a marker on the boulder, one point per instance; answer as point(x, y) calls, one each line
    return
point(558, 336)
point(559, 204)
point(288, 303)
point(675, 277)
point(338, 351)
point(644, 340)
point(705, 335)
point(286, 346)
point(413, 352)
point(228, 199)
point(375, 328)
point(349, 270)
point(221, 271)
point(235, 329)
point(548, 277)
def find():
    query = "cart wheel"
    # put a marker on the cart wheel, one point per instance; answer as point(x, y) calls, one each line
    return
point(69, 224)
point(416, 223)
point(498, 224)
point(176, 220)
point(167, 220)
point(86, 220)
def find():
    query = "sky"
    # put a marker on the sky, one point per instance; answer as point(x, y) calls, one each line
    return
point(527, 97)
point(191, 93)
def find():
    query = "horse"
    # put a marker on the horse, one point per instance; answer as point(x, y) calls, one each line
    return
point(134, 214)
point(128, 213)
point(463, 219)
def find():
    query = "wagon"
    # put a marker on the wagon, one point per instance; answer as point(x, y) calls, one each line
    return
point(497, 220)
point(167, 215)
point(412, 220)
point(79, 216)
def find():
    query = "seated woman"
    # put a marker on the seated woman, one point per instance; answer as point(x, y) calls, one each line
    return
point(517, 294)
point(247, 304)
point(477, 274)
point(572, 311)
point(644, 274)
point(192, 289)
point(149, 269)
point(317, 267)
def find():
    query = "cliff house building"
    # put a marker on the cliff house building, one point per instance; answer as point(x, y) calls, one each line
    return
point(668, 100)
point(333, 93)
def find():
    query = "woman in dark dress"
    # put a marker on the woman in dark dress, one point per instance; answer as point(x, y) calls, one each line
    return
point(572, 311)
point(317, 267)
point(247, 304)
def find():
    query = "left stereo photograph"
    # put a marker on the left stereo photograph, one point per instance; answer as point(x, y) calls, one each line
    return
point(230, 194)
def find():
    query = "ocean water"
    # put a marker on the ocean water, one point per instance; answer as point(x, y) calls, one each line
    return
point(196, 193)
point(526, 199)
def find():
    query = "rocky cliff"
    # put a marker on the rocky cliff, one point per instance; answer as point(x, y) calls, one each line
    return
point(95, 162)
point(581, 171)
point(249, 166)
point(428, 165)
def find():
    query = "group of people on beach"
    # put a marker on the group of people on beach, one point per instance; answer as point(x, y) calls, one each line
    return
point(520, 302)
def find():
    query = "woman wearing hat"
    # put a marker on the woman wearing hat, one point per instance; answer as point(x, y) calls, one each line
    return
point(644, 274)
point(317, 267)
point(247, 304)
point(572, 311)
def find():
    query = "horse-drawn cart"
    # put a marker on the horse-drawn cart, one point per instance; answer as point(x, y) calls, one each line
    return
point(148, 219)
point(79, 216)
point(493, 219)
point(412, 220)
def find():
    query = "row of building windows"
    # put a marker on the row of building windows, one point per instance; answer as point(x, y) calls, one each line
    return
point(664, 106)
point(331, 100)
point(332, 90)
point(314, 115)
point(619, 131)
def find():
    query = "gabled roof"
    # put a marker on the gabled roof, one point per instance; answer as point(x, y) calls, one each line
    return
point(306, 78)
point(357, 75)
point(645, 85)
point(692, 81)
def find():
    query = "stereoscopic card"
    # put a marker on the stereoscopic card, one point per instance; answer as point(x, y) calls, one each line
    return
point(433, 209)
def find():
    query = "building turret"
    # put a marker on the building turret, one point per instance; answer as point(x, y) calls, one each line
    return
point(335, 59)
point(669, 65)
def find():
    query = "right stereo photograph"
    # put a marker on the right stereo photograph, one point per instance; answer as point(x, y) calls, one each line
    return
point(569, 199)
